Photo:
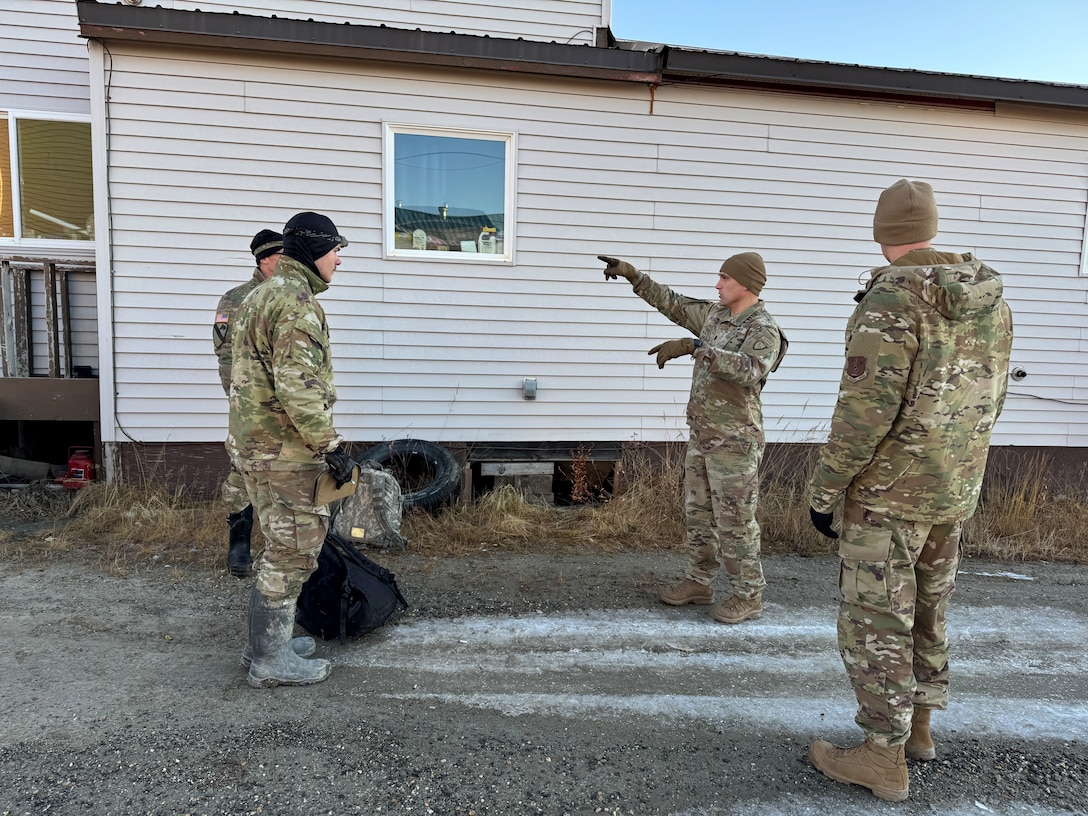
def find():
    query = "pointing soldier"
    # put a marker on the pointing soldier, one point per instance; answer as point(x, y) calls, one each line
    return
point(927, 358)
point(282, 438)
point(266, 246)
point(736, 345)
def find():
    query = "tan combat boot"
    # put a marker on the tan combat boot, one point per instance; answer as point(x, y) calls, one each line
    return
point(920, 744)
point(687, 592)
point(737, 610)
point(881, 770)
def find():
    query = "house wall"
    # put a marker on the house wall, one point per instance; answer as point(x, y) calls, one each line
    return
point(206, 150)
point(43, 60)
point(564, 21)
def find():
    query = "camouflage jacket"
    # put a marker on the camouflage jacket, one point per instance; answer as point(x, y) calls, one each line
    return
point(228, 305)
point(927, 360)
point(738, 353)
point(282, 391)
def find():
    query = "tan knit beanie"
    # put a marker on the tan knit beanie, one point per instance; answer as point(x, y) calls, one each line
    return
point(746, 269)
point(905, 214)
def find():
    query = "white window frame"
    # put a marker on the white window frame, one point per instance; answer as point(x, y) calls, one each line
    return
point(54, 246)
point(389, 249)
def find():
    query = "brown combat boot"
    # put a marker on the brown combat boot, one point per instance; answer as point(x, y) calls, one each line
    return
point(881, 770)
point(737, 610)
point(687, 592)
point(920, 744)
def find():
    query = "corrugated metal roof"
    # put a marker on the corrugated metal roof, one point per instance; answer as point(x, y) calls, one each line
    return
point(628, 61)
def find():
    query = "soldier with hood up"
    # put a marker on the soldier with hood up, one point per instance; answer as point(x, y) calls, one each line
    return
point(282, 438)
point(927, 360)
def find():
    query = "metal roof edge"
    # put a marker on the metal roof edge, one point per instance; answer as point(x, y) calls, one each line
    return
point(627, 61)
point(110, 21)
point(689, 64)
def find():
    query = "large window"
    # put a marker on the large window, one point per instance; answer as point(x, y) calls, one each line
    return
point(45, 179)
point(447, 193)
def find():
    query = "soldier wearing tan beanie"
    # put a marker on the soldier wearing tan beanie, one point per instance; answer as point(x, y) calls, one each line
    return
point(906, 213)
point(736, 345)
point(924, 380)
point(747, 269)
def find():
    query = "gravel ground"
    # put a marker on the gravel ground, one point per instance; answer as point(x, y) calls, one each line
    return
point(520, 685)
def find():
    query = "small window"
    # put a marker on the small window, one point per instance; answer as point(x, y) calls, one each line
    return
point(449, 192)
point(46, 193)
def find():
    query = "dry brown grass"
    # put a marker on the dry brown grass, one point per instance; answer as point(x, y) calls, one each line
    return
point(645, 514)
point(1021, 519)
point(124, 527)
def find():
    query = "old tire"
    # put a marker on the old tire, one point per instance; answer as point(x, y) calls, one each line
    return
point(428, 475)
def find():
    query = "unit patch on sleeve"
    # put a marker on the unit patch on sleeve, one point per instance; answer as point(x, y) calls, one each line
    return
point(857, 368)
point(861, 355)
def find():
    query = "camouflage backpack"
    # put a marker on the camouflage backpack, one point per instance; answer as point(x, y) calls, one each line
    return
point(371, 516)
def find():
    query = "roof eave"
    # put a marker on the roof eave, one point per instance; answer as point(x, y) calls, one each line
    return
point(159, 25)
point(681, 64)
point(629, 62)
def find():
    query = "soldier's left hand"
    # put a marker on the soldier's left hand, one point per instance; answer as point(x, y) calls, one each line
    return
point(671, 349)
point(341, 466)
point(822, 523)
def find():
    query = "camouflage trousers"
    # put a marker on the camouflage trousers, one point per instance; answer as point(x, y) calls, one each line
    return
point(721, 484)
point(234, 492)
point(896, 578)
point(292, 526)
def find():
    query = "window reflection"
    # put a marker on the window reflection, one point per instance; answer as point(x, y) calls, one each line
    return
point(450, 193)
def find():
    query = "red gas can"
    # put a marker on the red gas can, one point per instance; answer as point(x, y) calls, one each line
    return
point(80, 468)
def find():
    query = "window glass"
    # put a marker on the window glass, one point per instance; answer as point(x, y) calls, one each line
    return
point(7, 215)
point(450, 194)
point(56, 200)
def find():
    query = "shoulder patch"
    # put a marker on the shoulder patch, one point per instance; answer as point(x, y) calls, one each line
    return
point(763, 340)
point(857, 368)
point(222, 317)
point(861, 355)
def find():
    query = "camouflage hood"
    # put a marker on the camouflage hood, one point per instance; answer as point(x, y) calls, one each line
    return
point(960, 287)
point(927, 359)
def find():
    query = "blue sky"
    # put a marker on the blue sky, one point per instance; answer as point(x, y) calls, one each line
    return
point(1044, 40)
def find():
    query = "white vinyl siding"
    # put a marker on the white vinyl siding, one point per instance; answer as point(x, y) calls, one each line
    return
point(43, 60)
point(205, 151)
point(84, 322)
point(564, 21)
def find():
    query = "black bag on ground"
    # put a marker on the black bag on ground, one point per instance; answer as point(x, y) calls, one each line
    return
point(347, 595)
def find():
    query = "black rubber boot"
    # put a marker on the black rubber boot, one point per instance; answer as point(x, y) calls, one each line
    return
point(239, 561)
point(302, 646)
point(274, 661)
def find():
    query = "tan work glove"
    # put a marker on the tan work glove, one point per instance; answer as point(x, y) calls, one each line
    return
point(671, 349)
point(617, 268)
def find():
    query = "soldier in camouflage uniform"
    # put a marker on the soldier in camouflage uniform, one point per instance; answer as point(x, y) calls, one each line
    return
point(927, 358)
point(737, 344)
point(282, 438)
point(266, 246)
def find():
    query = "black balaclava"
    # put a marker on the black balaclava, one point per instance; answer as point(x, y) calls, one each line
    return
point(308, 236)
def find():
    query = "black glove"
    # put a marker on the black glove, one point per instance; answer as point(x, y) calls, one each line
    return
point(822, 522)
point(341, 466)
point(617, 269)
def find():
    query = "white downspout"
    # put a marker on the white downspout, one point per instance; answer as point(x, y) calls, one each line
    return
point(103, 252)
